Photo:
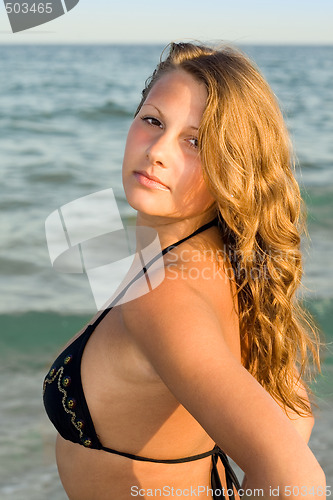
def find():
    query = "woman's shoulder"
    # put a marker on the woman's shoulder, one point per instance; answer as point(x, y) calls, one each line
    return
point(195, 289)
point(201, 266)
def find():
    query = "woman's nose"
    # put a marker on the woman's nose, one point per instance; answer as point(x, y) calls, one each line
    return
point(159, 151)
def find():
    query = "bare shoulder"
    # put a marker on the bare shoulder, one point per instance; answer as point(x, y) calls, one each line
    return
point(195, 295)
point(167, 308)
point(204, 267)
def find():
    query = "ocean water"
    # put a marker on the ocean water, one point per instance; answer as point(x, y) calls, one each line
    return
point(64, 115)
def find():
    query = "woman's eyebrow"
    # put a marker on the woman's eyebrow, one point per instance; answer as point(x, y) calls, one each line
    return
point(153, 105)
point(162, 115)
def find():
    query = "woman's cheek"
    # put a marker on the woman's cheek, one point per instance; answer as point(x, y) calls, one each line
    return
point(136, 136)
point(196, 177)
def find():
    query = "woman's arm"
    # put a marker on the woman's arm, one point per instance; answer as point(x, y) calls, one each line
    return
point(178, 331)
point(303, 425)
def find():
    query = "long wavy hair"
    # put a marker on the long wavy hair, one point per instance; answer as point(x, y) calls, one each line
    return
point(248, 165)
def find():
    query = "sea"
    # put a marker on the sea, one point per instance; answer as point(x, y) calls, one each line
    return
point(64, 114)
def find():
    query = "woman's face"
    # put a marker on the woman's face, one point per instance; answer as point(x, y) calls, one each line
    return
point(162, 173)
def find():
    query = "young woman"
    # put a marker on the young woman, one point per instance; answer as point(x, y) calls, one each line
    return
point(149, 394)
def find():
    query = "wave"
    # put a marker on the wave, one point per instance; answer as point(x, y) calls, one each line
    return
point(30, 338)
point(106, 110)
point(63, 121)
point(51, 328)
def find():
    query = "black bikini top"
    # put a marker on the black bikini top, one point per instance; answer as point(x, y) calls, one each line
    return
point(67, 408)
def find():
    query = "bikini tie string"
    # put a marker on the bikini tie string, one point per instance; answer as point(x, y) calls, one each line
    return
point(231, 478)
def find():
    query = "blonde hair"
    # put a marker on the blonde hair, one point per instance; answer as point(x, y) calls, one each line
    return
point(247, 164)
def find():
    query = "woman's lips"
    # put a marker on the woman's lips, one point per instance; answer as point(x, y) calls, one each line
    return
point(147, 181)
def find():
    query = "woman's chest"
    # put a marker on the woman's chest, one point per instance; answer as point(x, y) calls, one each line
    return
point(112, 359)
point(129, 404)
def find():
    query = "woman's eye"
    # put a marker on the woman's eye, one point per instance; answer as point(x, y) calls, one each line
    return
point(152, 121)
point(194, 142)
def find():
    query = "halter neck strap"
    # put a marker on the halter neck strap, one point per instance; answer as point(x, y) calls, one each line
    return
point(212, 223)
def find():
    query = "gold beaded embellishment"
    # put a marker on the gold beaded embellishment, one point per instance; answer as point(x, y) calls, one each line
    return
point(68, 403)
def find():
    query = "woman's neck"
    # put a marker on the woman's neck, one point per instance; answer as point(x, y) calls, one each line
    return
point(171, 229)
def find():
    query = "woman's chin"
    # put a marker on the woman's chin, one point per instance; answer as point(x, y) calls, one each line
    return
point(146, 205)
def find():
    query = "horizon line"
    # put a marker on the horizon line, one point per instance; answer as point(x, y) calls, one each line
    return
point(87, 42)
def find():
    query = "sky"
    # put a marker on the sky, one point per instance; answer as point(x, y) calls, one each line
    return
point(154, 21)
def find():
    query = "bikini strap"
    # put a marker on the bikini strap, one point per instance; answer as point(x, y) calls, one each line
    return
point(231, 478)
point(216, 453)
point(212, 223)
point(139, 458)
